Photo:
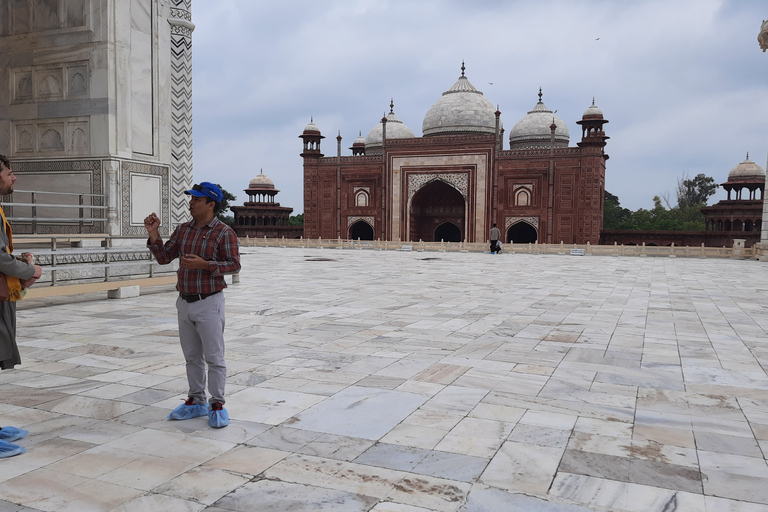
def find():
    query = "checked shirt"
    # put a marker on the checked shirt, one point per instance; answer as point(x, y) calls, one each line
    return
point(215, 242)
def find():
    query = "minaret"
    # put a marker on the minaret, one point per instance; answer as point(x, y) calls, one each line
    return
point(592, 183)
point(762, 39)
point(312, 137)
point(358, 147)
point(592, 131)
point(181, 107)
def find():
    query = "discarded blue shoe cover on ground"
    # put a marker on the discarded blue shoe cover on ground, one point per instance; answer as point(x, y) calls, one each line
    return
point(187, 412)
point(9, 450)
point(12, 433)
point(218, 418)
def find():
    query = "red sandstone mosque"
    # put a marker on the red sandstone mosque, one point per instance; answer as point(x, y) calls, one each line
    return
point(457, 179)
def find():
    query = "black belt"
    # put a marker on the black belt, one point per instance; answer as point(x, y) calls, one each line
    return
point(194, 297)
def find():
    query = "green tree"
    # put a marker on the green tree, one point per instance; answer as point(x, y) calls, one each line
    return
point(684, 215)
point(692, 194)
point(227, 219)
point(614, 216)
point(296, 220)
point(696, 191)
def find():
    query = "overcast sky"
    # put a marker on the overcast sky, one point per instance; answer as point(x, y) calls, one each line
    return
point(682, 82)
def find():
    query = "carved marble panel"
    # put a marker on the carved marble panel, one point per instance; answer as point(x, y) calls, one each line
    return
point(21, 16)
point(22, 89)
point(25, 138)
point(369, 219)
point(45, 15)
point(533, 221)
point(49, 83)
point(75, 16)
point(78, 138)
point(459, 181)
point(77, 81)
point(140, 75)
point(146, 196)
point(133, 209)
point(50, 137)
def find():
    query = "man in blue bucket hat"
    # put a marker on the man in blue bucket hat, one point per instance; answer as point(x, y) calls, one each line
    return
point(207, 249)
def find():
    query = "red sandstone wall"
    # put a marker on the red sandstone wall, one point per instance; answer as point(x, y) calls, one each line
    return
point(680, 238)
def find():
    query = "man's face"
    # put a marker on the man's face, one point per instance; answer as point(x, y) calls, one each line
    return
point(7, 179)
point(199, 207)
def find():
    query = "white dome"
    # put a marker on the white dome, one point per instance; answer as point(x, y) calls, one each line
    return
point(533, 131)
point(311, 127)
point(395, 130)
point(593, 111)
point(261, 181)
point(746, 170)
point(461, 109)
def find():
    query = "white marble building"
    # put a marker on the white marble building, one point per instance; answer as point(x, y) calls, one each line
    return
point(762, 39)
point(95, 98)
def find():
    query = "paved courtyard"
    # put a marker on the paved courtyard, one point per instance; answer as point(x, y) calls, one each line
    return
point(408, 382)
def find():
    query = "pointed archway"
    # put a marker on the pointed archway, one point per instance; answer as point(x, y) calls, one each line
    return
point(433, 206)
point(361, 230)
point(522, 233)
point(447, 232)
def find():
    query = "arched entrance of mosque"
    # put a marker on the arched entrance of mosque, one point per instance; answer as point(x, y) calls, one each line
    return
point(437, 210)
point(522, 233)
point(361, 230)
point(448, 232)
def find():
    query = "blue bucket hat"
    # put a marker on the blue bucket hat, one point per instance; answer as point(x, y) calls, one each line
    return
point(206, 189)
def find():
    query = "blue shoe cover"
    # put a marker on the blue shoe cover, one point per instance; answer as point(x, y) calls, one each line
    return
point(218, 419)
point(12, 433)
point(9, 450)
point(187, 412)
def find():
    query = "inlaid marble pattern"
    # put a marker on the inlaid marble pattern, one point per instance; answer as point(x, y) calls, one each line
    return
point(389, 382)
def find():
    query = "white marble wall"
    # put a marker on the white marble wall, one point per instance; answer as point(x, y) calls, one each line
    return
point(140, 76)
point(91, 80)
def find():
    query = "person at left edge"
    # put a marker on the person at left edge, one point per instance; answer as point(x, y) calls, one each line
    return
point(19, 274)
point(207, 249)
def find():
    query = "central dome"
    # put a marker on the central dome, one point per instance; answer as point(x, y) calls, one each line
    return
point(461, 109)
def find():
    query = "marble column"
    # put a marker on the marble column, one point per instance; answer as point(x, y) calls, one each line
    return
point(762, 246)
point(113, 196)
point(180, 20)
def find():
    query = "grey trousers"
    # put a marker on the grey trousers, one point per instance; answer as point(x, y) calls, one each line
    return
point(9, 351)
point(201, 332)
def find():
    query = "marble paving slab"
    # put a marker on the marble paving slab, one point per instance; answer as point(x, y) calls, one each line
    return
point(367, 413)
point(385, 382)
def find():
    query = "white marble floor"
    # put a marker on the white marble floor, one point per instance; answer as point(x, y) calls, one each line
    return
point(408, 382)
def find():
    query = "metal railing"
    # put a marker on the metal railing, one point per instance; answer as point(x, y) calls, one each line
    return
point(34, 204)
point(89, 264)
point(509, 248)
